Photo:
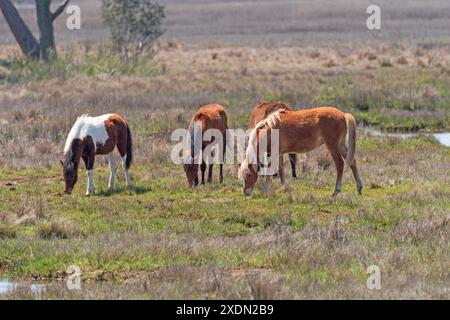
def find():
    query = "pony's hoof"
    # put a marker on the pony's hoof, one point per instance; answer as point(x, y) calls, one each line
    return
point(360, 191)
point(335, 194)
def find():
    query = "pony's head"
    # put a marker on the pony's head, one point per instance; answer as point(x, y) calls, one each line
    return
point(191, 171)
point(248, 173)
point(70, 172)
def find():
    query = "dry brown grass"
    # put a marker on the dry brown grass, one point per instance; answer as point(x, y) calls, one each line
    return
point(36, 116)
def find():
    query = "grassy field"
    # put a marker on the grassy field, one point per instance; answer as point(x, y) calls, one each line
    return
point(162, 240)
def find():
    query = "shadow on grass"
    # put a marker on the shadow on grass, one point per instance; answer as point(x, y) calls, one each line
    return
point(123, 190)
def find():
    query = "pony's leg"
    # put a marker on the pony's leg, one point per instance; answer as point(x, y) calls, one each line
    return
point(266, 184)
point(210, 171)
point(90, 183)
point(354, 168)
point(86, 163)
point(203, 169)
point(112, 171)
point(284, 183)
point(281, 171)
point(224, 152)
point(339, 163)
point(89, 163)
point(127, 174)
point(293, 161)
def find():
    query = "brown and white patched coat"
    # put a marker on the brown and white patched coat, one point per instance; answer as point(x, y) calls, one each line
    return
point(92, 136)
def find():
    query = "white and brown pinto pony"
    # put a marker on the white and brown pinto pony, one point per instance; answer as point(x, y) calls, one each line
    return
point(300, 132)
point(91, 136)
point(211, 116)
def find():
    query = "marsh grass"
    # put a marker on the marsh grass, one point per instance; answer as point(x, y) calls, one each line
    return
point(7, 231)
point(58, 230)
point(36, 114)
point(162, 240)
point(75, 61)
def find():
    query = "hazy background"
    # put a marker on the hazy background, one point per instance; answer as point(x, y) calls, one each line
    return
point(424, 24)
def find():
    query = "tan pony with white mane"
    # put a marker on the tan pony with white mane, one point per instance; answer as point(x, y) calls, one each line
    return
point(262, 111)
point(300, 132)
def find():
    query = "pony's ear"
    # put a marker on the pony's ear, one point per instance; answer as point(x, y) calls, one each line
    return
point(62, 163)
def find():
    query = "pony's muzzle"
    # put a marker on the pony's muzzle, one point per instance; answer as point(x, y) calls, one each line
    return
point(68, 191)
point(248, 192)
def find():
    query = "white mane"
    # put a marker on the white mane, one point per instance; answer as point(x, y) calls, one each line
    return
point(250, 153)
point(88, 126)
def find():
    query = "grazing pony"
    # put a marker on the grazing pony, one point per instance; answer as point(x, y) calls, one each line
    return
point(212, 116)
point(90, 136)
point(303, 131)
point(264, 109)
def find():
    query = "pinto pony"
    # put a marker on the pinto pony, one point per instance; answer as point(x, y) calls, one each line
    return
point(303, 131)
point(262, 111)
point(212, 116)
point(92, 136)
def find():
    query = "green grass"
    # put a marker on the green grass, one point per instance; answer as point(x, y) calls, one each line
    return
point(299, 235)
point(67, 65)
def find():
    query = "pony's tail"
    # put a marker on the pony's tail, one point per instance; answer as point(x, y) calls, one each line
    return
point(129, 159)
point(351, 138)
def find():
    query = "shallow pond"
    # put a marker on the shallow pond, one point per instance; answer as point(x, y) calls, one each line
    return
point(442, 137)
point(7, 287)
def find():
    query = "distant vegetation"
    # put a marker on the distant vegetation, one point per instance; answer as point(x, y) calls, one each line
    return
point(134, 25)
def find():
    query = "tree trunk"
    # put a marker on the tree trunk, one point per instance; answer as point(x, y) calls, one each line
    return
point(24, 37)
point(46, 34)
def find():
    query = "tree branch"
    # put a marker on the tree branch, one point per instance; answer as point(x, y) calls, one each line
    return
point(24, 37)
point(60, 9)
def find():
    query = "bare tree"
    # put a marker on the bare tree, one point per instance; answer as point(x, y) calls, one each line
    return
point(44, 48)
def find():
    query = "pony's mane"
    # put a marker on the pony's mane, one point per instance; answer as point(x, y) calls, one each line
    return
point(250, 153)
point(271, 120)
point(74, 132)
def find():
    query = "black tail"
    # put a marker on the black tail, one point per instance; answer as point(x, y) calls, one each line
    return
point(129, 149)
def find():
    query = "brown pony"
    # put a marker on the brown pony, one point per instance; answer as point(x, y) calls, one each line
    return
point(92, 136)
point(264, 109)
point(303, 131)
point(212, 116)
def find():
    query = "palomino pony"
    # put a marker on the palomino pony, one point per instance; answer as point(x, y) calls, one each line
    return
point(262, 111)
point(303, 131)
point(212, 116)
point(90, 136)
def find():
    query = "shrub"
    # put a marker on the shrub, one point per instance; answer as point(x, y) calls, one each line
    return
point(7, 231)
point(134, 25)
point(59, 230)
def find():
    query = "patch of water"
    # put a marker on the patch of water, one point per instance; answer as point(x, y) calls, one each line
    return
point(442, 137)
point(7, 286)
